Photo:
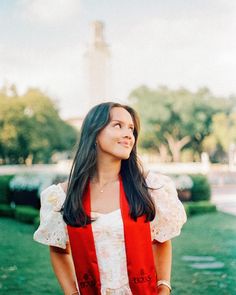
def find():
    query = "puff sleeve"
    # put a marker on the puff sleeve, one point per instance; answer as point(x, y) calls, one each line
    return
point(170, 213)
point(52, 229)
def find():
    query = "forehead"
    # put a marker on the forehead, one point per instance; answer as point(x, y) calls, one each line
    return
point(121, 114)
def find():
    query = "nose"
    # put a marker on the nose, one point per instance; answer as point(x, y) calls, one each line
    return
point(128, 136)
point(128, 133)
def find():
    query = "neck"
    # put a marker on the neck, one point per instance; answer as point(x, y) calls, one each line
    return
point(107, 170)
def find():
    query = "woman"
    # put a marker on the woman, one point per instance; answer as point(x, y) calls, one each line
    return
point(110, 227)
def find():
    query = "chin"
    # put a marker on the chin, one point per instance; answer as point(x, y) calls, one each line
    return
point(124, 156)
point(121, 156)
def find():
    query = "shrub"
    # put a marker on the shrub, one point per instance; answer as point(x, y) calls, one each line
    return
point(31, 182)
point(26, 214)
point(6, 210)
point(201, 190)
point(193, 208)
point(4, 188)
point(26, 188)
point(183, 184)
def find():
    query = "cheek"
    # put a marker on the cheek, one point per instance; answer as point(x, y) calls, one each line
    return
point(107, 137)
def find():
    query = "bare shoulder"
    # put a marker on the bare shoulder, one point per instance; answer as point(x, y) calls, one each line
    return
point(64, 186)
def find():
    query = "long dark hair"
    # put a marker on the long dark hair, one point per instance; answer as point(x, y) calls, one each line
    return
point(84, 167)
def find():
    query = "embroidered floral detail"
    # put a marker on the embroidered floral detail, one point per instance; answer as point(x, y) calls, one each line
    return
point(52, 230)
point(108, 230)
point(53, 199)
point(170, 213)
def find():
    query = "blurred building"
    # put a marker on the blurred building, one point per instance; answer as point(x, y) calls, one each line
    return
point(98, 66)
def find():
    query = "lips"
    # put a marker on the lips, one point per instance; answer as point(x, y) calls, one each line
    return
point(124, 143)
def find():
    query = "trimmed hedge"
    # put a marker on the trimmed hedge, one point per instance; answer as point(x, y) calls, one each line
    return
point(193, 208)
point(26, 214)
point(30, 215)
point(201, 190)
point(6, 210)
point(4, 188)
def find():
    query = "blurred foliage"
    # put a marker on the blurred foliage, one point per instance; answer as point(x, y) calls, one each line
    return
point(177, 120)
point(30, 127)
point(6, 210)
point(217, 144)
point(193, 208)
point(4, 188)
point(201, 189)
point(26, 214)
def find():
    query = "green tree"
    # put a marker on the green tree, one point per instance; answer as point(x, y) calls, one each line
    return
point(30, 128)
point(175, 119)
point(223, 134)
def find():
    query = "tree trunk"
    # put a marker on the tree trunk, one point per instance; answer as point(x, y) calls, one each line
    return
point(176, 146)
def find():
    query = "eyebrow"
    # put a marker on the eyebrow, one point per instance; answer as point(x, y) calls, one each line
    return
point(131, 124)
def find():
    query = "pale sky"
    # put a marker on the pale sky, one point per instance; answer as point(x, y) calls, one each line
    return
point(175, 43)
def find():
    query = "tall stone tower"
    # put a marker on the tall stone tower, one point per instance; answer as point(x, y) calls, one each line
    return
point(98, 64)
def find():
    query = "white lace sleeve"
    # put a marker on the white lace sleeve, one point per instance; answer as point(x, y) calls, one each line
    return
point(170, 213)
point(52, 229)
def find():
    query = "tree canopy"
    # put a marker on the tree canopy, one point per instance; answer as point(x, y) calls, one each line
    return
point(31, 128)
point(173, 120)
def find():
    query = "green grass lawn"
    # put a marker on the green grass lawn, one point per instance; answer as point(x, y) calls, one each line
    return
point(25, 267)
point(212, 234)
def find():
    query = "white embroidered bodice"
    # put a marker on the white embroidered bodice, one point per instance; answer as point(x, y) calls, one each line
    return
point(108, 229)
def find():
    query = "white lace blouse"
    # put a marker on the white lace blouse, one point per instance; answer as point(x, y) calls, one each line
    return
point(108, 229)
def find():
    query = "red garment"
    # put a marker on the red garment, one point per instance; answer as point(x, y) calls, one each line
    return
point(138, 245)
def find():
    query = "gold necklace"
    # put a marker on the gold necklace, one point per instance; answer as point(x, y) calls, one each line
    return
point(101, 189)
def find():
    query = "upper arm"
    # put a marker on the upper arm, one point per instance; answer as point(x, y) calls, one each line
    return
point(54, 249)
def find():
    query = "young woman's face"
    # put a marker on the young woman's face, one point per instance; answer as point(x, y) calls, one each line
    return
point(117, 138)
